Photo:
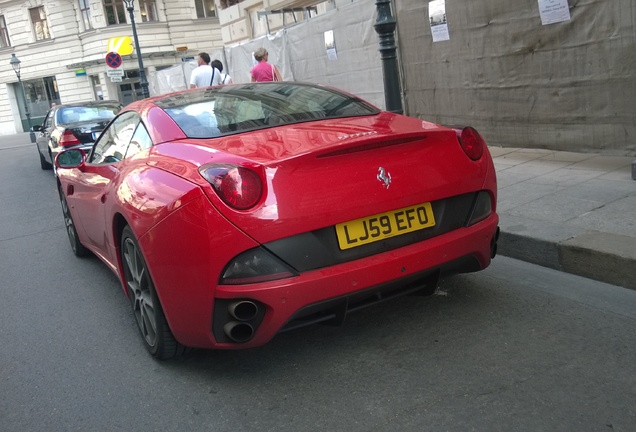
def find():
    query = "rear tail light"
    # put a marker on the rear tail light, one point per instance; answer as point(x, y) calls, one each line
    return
point(239, 187)
point(472, 143)
point(68, 138)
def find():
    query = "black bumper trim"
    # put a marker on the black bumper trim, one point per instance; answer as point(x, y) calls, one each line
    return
point(318, 249)
point(334, 311)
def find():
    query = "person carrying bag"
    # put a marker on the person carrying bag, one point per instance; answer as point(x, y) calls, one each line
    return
point(264, 71)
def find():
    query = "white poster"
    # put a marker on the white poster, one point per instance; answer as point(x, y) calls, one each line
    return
point(554, 11)
point(330, 45)
point(437, 17)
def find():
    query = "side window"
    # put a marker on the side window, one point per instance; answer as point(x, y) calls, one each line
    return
point(205, 8)
point(148, 10)
point(40, 24)
point(48, 120)
point(140, 141)
point(112, 145)
point(85, 10)
point(4, 34)
point(115, 12)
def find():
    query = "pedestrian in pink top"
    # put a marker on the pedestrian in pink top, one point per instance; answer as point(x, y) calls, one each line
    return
point(264, 71)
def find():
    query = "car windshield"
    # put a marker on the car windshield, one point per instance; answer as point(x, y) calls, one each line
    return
point(228, 110)
point(86, 113)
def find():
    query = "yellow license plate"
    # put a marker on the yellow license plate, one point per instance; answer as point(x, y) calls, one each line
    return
point(384, 225)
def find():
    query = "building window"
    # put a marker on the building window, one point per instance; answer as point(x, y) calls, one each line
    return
point(228, 3)
point(98, 90)
point(260, 24)
point(148, 10)
point(40, 26)
point(4, 34)
point(205, 8)
point(115, 12)
point(85, 9)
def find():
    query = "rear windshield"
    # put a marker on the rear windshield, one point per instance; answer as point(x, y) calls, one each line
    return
point(79, 113)
point(227, 110)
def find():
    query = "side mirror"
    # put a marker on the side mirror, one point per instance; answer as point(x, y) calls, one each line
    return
point(73, 158)
point(37, 128)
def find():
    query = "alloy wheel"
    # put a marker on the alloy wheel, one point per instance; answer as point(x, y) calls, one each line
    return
point(76, 246)
point(139, 286)
point(68, 222)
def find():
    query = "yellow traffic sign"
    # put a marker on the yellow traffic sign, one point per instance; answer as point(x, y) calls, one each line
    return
point(122, 45)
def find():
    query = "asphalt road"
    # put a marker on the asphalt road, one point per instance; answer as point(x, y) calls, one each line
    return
point(516, 347)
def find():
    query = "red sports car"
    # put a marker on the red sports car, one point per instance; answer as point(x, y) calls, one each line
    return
point(233, 213)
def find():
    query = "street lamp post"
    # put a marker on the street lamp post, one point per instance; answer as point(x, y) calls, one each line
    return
point(15, 64)
point(385, 27)
point(130, 6)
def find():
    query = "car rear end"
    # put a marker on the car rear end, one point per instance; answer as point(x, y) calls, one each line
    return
point(81, 126)
point(81, 135)
point(394, 205)
point(340, 214)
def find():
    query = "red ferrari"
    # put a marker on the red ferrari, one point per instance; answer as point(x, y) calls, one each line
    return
point(233, 213)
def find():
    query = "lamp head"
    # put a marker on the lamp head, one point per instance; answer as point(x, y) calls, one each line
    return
point(15, 64)
point(130, 4)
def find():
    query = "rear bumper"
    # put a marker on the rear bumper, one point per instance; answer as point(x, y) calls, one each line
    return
point(286, 304)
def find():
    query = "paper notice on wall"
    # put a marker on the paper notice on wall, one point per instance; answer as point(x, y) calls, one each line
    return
point(554, 11)
point(437, 18)
point(330, 45)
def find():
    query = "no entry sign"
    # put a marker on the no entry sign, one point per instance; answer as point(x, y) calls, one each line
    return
point(113, 60)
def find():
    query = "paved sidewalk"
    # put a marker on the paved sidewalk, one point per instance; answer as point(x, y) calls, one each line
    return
point(574, 212)
point(17, 140)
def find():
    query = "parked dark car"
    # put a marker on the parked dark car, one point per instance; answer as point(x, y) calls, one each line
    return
point(75, 125)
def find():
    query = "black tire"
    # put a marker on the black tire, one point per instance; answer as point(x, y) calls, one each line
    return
point(147, 310)
point(43, 162)
point(78, 248)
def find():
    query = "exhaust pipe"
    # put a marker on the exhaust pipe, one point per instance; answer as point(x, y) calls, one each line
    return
point(493, 244)
point(238, 331)
point(243, 310)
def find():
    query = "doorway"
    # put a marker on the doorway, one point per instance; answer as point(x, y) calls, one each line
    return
point(129, 90)
point(38, 97)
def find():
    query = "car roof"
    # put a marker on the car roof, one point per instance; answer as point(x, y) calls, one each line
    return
point(88, 104)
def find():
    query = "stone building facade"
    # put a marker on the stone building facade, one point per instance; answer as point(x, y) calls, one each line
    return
point(62, 45)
